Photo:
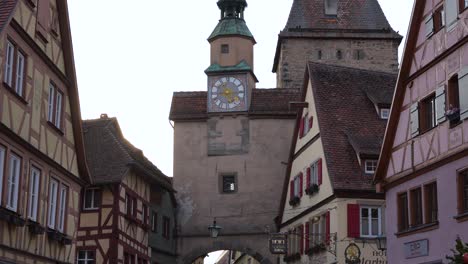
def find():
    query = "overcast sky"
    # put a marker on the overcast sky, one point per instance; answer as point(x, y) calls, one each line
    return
point(132, 55)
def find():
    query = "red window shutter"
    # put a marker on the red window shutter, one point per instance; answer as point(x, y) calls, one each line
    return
point(320, 172)
point(301, 128)
point(301, 183)
point(311, 122)
point(308, 178)
point(306, 235)
point(291, 190)
point(301, 240)
point(327, 228)
point(353, 221)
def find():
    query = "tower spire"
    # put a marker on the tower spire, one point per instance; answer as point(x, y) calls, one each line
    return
point(232, 8)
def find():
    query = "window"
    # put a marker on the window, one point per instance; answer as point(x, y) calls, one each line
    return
point(430, 202)
point(314, 173)
point(130, 205)
point(34, 181)
point(154, 222)
point(318, 231)
point(403, 223)
point(359, 54)
point(463, 192)
point(294, 240)
point(339, 54)
point(384, 113)
point(13, 182)
point(306, 124)
point(54, 114)
point(62, 208)
point(451, 12)
point(92, 199)
point(439, 19)
point(416, 207)
point(86, 257)
point(319, 54)
point(2, 167)
point(225, 48)
point(297, 186)
point(52, 203)
point(331, 7)
point(428, 114)
point(166, 227)
point(452, 90)
point(370, 166)
point(229, 183)
point(129, 258)
point(371, 221)
point(15, 68)
point(463, 92)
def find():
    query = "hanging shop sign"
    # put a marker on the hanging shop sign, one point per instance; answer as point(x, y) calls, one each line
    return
point(279, 244)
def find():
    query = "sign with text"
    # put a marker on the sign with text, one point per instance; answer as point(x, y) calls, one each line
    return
point(279, 244)
point(417, 248)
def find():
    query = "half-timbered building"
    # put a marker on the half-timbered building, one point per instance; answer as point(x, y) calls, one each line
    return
point(424, 161)
point(115, 210)
point(330, 208)
point(42, 163)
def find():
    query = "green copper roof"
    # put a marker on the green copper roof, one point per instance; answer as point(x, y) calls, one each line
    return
point(242, 66)
point(231, 26)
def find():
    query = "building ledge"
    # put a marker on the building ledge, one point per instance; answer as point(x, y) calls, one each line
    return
point(461, 217)
point(418, 229)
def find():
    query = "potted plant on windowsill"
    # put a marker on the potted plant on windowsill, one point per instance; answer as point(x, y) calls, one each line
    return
point(294, 201)
point(453, 115)
point(318, 248)
point(54, 235)
point(313, 188)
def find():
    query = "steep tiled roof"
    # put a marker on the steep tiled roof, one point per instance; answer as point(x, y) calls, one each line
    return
point(348, 120)
point(110, 155)
point(264, 102)
point(351, 15)
point(6, 12)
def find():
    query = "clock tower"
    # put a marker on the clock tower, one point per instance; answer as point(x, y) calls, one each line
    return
point(230, 74)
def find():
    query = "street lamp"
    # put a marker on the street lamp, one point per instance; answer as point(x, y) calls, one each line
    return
point(214, 229)
point(382, 243)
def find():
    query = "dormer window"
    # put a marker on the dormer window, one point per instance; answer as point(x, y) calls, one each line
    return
point(370, 166)
point(384, 113)
point(331, 7)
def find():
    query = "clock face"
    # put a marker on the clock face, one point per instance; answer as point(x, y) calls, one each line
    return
point(227, 94)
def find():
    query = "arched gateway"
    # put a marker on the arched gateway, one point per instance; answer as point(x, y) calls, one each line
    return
point(231, 146)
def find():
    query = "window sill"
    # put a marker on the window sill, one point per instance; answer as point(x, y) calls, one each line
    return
point(461, 217)
point(90, 210)
point(13, 92)
point(55, 128)
point(418, 229)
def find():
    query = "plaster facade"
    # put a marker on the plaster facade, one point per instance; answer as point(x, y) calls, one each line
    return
point(414, 156)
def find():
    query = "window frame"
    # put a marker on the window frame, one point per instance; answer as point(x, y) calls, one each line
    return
point(62, 210)
point(462, 183)
point(34, 192)
point(95, 202)
point(430, 198)
point(12, 71)
point(224, 176)
point(224, 48)
point(369, 221)
point(3, 156)
point(13, 194)
point(403, 211)
point(52, 203)
point(463, 4)
point(166, 227)
point(154, 222)
point(383, 115)
point(428, 111)
point(374, 164)
point(314, 173)
point(416, 207)
point(86, 260)
point(55, 106)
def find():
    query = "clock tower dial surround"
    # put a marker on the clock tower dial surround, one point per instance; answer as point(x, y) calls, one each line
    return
point(228, 93)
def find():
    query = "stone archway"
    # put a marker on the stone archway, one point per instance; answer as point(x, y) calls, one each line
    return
point(194, 247)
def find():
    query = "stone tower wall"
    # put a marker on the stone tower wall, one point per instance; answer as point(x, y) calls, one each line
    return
point(374, 54)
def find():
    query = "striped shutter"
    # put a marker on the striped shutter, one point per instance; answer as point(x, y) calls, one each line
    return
point(440, 104)
point(311, 122)
point(463, 92)
point(320, 172)
point(353, 221)
point(414, 120)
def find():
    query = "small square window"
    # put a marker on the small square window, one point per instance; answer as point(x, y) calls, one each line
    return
point(229, 183)
point(331, 7)
point(384, 113)
point(92, 199)
point(225, 48)
point(370, 166)
point(339, 54)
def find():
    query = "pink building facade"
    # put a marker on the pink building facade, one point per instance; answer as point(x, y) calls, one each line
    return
point(423, 167)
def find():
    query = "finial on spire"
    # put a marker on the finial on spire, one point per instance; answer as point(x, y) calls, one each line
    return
point(232, 8)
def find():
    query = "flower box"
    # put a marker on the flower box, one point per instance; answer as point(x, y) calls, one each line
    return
point(453, 115)
point(54, 235)
point(314, 188)
point(66, 240)
point(294, 201)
